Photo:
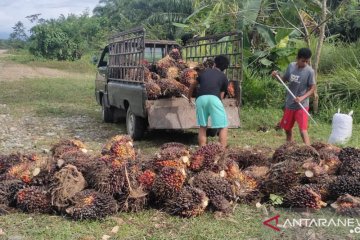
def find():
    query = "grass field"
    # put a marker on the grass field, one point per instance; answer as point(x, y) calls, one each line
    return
point(64, 98)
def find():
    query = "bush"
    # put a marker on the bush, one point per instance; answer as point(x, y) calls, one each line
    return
point(340, 89)
point(262, 91)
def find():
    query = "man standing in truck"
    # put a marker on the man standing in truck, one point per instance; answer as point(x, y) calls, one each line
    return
point(213, 84)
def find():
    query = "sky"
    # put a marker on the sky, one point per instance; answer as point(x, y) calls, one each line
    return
point(12, 11)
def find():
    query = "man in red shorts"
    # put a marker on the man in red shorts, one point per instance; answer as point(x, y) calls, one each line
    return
point(301, 80)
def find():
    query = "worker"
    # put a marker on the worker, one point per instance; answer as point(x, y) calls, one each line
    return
point(301, 78)
point(212, 87)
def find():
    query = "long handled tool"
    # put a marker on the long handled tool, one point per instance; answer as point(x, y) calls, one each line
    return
point(287, 88)
point(182, 95)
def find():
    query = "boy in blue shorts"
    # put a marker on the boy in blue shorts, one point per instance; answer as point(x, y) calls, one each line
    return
point(213, 84)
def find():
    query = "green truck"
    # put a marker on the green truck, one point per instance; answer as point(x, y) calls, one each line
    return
point(119, 84)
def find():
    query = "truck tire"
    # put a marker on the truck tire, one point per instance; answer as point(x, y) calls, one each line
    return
point(135, 126)
point(212, 132)
point(107, 113)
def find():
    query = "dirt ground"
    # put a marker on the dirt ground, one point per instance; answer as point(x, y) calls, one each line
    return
point(26, 131)
point(12, 71)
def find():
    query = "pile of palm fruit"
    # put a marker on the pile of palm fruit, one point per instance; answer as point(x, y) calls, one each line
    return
point(171, 76)
point(177, 179)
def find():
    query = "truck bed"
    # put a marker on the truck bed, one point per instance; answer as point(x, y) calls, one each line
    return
point(177, 113)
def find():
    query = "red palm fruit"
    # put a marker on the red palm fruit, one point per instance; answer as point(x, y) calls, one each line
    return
point(146, 179)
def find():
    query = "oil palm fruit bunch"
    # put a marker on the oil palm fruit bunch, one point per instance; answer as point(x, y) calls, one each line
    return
point(281, 177)
point(350, 167)
point(189, 202)
point(347, 205)
point(349, 153)
point(231, 89)
point(282, 152)
point(34, 200)
point(6, 161)
point(172, 88)
point(206, 157)
point(20, 171)
point(257, 172)
point(167, 184)
point(65, 184)
point(8, 191)
point(326, 147)
point(107, 179)
point(345, 185)
point(246, 157)
point(77, 158)
point(90, 204)
point(67, 145)
point(188, 76)
point(175, 54)
point(121, 146)
point(173, 144)
point(164, 64)
point(146, 179)
point(132, 197)
point(177, 157)
point(297, 153)
point(330, 161)
point(153, 90)
point(303, 197)
point(124, 139)
point(215, 187)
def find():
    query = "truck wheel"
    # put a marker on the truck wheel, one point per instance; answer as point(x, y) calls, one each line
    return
point(212, 132)
point(135, 125)
point(107, 113)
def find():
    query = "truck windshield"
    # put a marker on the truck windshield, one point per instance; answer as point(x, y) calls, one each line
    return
point(154, 54)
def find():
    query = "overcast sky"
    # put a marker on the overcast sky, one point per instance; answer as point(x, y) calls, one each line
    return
point(12, 11)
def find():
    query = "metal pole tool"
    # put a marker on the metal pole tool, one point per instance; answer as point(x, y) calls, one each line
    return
point(287, 88)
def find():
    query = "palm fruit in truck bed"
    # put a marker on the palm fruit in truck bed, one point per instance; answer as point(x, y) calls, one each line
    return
point(153, 90)
point(188, 76)
point(172, 88)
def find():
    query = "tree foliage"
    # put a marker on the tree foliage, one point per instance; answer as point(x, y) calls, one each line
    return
point(66, 38)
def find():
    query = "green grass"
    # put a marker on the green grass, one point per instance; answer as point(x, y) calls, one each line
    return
point(245, 223)
point(75, 96)
point(83, 65)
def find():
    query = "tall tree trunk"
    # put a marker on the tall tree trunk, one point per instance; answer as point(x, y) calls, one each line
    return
point(318, 52)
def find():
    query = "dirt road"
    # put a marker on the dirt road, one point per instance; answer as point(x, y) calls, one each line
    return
point(13, 71)
point(26, 131)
